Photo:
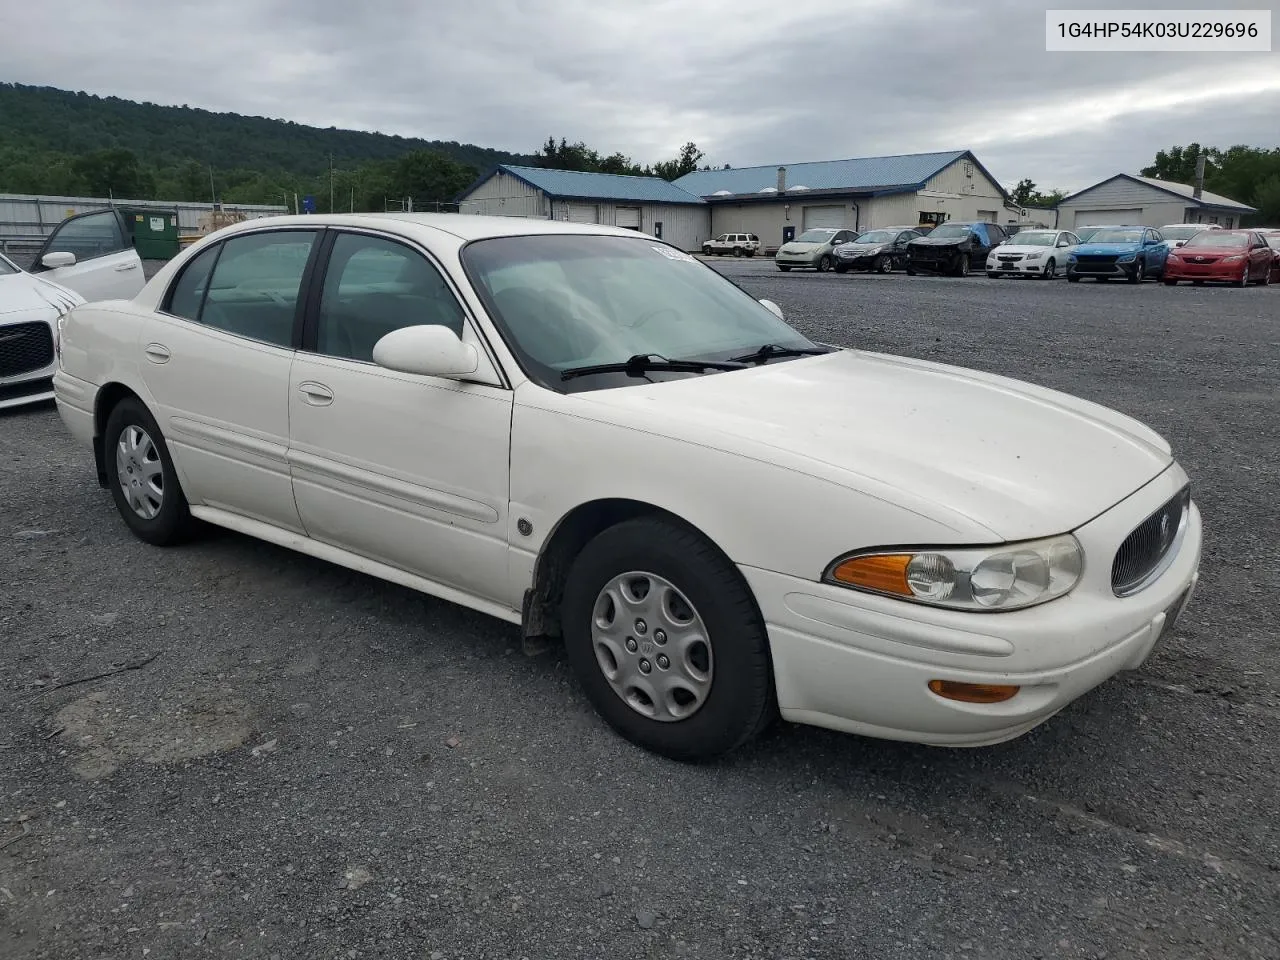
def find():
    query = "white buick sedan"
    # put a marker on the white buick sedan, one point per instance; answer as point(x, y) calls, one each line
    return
point(589, 433)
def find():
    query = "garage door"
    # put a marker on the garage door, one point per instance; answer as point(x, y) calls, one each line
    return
point(582, 213)
point(823, 217)
point(627, 217)
point(1094, 218)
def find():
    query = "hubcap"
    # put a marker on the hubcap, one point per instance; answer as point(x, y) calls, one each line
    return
point(652, 646)
point(139, 472)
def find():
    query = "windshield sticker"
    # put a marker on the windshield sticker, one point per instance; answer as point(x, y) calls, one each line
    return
point(671, 253)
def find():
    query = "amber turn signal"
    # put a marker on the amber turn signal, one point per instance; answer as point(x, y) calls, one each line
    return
point(886, 572)
point(973, 692)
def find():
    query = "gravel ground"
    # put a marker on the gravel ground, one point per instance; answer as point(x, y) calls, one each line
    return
point(298, 761)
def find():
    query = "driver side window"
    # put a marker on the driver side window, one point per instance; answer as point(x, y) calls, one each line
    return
point(374, 286)
point(88, 236)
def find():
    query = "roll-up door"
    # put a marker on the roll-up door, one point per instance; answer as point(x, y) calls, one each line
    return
point(583, 213)
point(824, 216)
point(627, 217)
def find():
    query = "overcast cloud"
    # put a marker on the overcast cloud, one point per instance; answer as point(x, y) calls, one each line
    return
point(751, 81)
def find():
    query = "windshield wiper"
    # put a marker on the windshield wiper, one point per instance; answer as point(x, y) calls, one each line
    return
point(639, 364)
point(768, 351)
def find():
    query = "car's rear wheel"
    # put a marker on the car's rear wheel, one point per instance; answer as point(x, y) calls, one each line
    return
point(706, 251)
point(911, 271)
point(141, 476)
point(1265, 279)
point(824, 263)
point(666, 639)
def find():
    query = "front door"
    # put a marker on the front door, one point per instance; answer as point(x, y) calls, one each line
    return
point(788, 234)
point(409, 470)
point(216, 361)
point(103, 264)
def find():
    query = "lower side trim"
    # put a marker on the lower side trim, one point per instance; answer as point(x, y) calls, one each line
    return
point(352, 561)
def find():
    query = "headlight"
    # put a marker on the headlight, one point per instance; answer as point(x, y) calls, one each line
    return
point(1006, 577)
point(1126, 257)
point(1236, 259)
point(1071, 258)
point(1033, 256)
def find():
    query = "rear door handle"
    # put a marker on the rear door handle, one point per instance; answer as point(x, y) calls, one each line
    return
point(126, 266)
point(157, 353)
point(316, 394)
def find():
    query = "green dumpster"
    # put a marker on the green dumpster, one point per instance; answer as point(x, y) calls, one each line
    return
point(155, 233)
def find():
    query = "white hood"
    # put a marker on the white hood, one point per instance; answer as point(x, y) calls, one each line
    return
point(1020, 461)
point(1023, 248)
point(23, 293)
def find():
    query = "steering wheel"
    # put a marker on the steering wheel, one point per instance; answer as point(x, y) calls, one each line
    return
point(648, 315)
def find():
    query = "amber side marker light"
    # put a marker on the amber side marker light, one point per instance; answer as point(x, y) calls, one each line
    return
point(973, 692)
point(885, 572)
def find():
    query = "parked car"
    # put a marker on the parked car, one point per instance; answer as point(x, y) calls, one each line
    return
point(1134, 253)
point(1273, 241)
point(1179, 233)
point(738, 244)
point(30, 309)
point(954, 248)
point(814, 249)
point(573, 428)
point(1032, 253)
point(92, 254)
point(1241, 257)
point(882, 250)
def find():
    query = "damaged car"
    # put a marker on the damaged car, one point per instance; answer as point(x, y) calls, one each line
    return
point(953, 248)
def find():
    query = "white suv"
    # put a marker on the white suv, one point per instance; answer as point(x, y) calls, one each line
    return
point(739, 244)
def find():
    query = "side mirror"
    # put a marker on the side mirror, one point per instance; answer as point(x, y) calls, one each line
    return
point(772, 308)
point(1179, 243)
point(836, 243)
point(58, 258)
point(430, 350)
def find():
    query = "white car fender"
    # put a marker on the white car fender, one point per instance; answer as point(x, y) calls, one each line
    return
point(758, 513)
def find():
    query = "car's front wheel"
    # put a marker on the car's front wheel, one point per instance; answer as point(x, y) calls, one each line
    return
point(141, 477)
point(783, 267)
point(1050, 270)
point(961, 267)
point(666, 639)
point(706, 251)
point(824, 263)
point(1139, 272)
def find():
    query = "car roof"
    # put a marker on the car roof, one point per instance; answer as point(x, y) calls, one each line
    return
point(464, 226)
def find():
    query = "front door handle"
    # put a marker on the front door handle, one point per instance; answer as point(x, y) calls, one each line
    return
point(316, 394)
point(126, 266)
point(157, 353)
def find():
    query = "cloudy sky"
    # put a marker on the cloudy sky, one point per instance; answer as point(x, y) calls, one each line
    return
point(751, 81)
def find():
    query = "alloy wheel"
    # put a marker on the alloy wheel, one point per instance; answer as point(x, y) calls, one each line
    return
point(140, 472)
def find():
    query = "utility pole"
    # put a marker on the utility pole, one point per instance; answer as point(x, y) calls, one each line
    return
point(331, 182)
point(213, 197)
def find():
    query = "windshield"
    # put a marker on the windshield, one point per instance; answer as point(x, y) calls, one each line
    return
point(1218, 238)
point(950, 231)
point(1116, 235)
point(1182, 231)
point(563, 301)
point(815, 236)
point(1273, 240)
point(1086, 233)
point(877, 236)
point(1034, 238)
point(7, 266)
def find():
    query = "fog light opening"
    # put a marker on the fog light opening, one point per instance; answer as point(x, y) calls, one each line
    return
point(973, 692)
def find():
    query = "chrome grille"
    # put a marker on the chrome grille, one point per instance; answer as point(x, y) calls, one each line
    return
point(1142, 554)
point(25, 347)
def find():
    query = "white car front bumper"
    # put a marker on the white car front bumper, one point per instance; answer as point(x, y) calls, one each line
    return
point(862, 663)
point(27, 362)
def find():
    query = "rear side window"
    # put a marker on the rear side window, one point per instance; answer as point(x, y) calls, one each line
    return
point(186, 296)
point(256, 284)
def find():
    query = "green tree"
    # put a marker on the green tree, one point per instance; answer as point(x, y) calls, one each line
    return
point(114, 172)
point(685, 162)
point(1267, 199)
point(1023, 192)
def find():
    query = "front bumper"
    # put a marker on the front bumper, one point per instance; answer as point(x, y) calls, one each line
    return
point(797, 260)
point(1033, 267)
point(1214, 272)
point(27, 363)
point(1117, 268)
point(936, 262)
point(862, 663)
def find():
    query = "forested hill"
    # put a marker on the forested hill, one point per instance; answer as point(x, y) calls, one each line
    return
point(77, 144)
point(76, 123)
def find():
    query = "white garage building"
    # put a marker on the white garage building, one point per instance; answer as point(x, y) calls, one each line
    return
point(648, 204)
point(1145, 201)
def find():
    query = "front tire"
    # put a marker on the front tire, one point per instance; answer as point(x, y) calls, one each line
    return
point(842, 268)
point(783, 267)
point(737, 251)
point(141, 476)
point(1244, 278)
point(824, 263)
point(883, 264)
point(706, 251)
point(1050, 271)
point(1073, 277)
point(961, 268)
point(1139, 272)
point(665, 637)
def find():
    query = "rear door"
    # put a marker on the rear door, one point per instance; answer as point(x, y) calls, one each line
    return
point(104, 265)
point(216, 360)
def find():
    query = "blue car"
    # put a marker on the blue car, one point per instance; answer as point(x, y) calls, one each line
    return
point(1134, 253)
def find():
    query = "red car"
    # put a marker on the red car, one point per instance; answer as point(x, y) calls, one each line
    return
point(1221, 256)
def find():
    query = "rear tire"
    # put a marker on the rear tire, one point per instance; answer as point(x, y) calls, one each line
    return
point(141, 476)
point(911, 271)
point(706, 251)
point(707, 706)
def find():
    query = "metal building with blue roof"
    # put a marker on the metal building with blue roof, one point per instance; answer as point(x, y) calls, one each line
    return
point(775, 202)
